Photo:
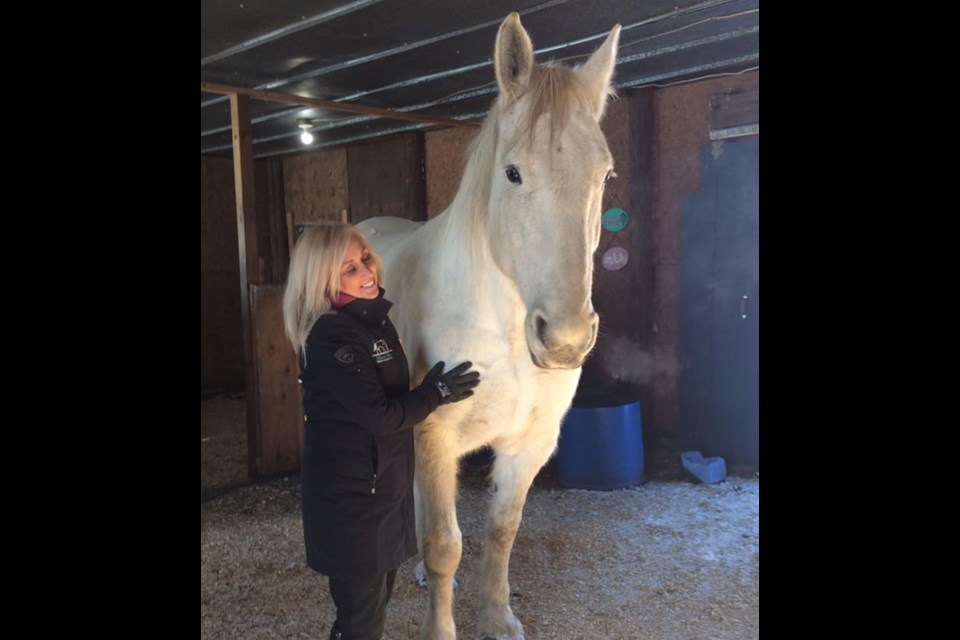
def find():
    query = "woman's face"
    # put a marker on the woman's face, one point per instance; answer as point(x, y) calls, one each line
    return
point(358, 274)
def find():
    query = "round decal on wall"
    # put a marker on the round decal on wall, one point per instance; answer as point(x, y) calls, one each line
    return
point(615, 259)
point(615, 219)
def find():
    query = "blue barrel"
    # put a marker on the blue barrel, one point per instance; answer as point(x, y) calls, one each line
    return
point(601, 448)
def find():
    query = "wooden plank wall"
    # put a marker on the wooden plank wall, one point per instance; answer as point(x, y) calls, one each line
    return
point(446, 151)
point(280, 401)
point(381, 178)
point(272, 232)
point(221, 337)
point(315, 185)
point(386, 178)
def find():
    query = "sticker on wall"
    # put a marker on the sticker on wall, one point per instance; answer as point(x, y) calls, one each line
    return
point(615, 219)
point(615, 259)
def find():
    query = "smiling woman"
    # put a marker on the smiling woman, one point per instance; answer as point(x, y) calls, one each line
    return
point(359, 414)
point(358, 275)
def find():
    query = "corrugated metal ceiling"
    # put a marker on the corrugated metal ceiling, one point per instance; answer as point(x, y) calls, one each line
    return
point(434, 56)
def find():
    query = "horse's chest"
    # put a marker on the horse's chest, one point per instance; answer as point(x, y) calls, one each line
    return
point(519, 405)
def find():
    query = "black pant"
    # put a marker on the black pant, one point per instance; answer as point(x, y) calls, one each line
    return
point(361, 605)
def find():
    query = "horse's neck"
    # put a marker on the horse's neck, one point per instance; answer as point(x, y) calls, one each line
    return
point(455, 283)
point(463, 268)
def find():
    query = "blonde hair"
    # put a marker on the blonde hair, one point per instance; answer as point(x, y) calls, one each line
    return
point(314, 278)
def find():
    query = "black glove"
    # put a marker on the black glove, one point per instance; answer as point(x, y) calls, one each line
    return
point(454, 385)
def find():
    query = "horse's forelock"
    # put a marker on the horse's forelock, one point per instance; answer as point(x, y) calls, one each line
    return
point(555, 91)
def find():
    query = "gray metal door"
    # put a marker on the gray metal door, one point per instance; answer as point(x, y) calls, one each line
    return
point(720, 306)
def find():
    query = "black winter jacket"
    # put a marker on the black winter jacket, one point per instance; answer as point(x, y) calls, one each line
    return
point(357, 473)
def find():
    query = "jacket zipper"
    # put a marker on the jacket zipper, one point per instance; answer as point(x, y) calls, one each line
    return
point(373, 481)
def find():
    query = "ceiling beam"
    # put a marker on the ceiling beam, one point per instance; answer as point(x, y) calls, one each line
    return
point(276, 96)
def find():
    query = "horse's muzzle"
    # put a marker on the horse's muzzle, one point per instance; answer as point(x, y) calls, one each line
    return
point(564, 358)
point(561, 345)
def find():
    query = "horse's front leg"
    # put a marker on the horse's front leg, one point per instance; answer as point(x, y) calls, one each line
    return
point(438, 533)
point(511, 479)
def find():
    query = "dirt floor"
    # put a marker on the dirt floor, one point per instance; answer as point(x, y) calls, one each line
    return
point(665, 560)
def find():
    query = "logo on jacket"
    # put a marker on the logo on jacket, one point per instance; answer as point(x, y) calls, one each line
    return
point(344, 354)
point(381, 352)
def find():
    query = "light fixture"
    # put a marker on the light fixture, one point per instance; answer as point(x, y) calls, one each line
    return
point(306, 137)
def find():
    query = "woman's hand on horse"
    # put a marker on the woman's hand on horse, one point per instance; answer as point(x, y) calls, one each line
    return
point(454, 385)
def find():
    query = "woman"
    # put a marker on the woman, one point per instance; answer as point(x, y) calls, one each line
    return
point(357, 472)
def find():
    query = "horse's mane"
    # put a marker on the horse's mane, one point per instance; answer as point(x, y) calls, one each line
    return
point(555, 91)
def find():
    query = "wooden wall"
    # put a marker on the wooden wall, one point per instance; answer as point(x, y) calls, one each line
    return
point(446, 151)
point(221, 336)
point(280, 400)
point(316, 185)
point(386, 178)
point(379, 178)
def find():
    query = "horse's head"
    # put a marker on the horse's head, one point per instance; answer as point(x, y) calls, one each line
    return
point(550, 164)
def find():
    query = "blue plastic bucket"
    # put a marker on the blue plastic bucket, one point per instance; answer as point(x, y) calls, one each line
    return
point(601, 448)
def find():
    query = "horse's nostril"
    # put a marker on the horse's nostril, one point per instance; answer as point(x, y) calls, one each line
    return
point(542, 331)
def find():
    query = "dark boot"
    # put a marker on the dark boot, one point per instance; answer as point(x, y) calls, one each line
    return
point(335, 632)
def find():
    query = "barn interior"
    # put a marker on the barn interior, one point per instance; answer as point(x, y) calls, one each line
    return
point(679, 322)
point(391, 93)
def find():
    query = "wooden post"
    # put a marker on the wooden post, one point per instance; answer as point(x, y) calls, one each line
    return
point(249, 261)
point(275, 271)
point(278, 392)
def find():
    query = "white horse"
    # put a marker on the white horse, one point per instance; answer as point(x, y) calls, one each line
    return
point(503, 278)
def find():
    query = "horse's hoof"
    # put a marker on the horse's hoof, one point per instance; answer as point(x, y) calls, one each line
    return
point(499, 623)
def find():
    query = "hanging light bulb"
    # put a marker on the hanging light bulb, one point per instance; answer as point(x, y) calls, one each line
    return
point(306, 137)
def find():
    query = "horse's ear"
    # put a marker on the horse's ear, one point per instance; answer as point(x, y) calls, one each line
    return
point(513, 57)
point(598, 70)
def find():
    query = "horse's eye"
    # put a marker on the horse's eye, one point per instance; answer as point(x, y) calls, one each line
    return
point(513, 174)
point(610, 174)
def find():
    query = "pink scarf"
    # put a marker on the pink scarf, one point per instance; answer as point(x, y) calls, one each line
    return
point(342, 300)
